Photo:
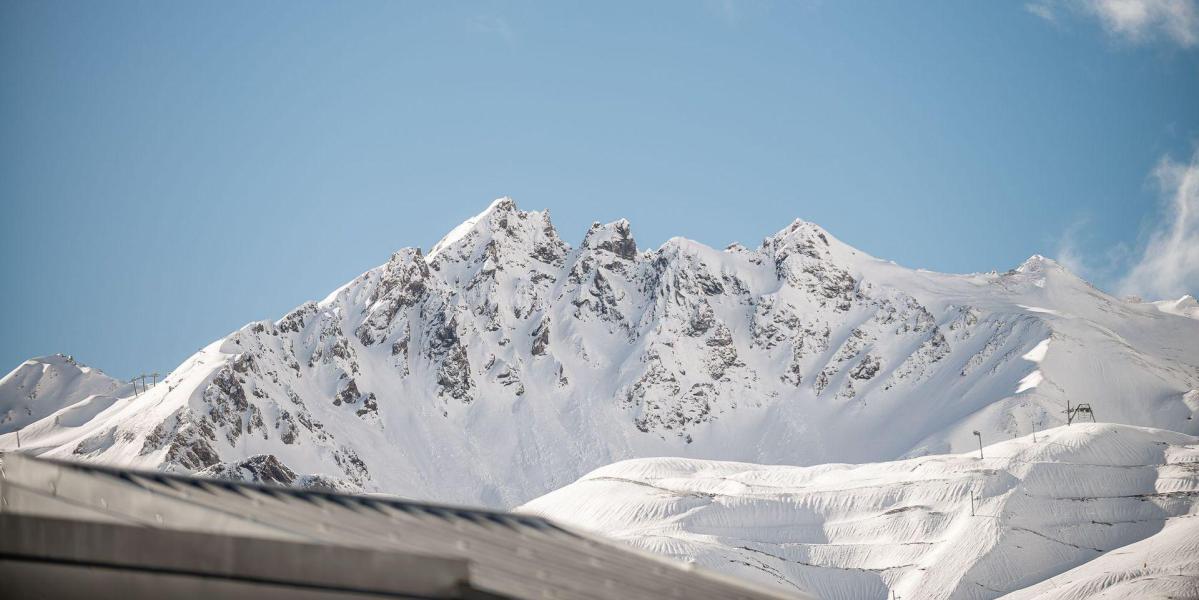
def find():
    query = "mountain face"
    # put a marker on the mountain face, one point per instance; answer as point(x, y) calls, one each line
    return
point(1084, 511)
point(505, 363)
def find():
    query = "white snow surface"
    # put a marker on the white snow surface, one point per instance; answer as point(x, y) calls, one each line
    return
point(1085, 511)
point(506, 364)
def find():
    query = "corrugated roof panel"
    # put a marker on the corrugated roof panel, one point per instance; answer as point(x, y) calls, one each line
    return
point(517, 556)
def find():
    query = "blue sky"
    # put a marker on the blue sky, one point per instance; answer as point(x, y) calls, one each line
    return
point(170, 171)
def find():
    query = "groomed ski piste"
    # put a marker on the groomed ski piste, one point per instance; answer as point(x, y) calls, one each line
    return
point(1086, 511)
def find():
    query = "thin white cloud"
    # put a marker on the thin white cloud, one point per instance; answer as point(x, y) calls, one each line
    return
point(725, 9)
point(1068, 254)
point(1136, 21)
point(493, 25)
point(1042, 10)
point(1168, 267)
point(1109, 266)
point(734, 12)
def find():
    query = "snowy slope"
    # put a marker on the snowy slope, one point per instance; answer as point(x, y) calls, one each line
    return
point(1113, 509)
point(44, 386)
point(1165, 565)
point(505, 364)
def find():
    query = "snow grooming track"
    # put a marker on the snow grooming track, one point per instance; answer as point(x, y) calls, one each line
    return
point(1087, 511)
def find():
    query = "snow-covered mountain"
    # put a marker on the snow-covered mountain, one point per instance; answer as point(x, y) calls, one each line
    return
point(504, 364)
point(1085, 511)
point(46, 385)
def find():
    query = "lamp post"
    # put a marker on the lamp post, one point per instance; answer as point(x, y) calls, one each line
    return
point(980, 443)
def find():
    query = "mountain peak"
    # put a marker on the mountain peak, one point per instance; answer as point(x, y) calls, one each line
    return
point(615, 237)
point(52, 359)
point(1041, 264)
point(41, 386)
point(500, 231)
point(501, 205)
point(799, 231)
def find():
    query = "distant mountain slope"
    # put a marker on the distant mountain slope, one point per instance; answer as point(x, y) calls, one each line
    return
point(505, 364)
point(1185, 306)
point(42, 386)
point(1114, 507)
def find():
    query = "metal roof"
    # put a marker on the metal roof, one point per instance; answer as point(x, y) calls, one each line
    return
point(57, 514)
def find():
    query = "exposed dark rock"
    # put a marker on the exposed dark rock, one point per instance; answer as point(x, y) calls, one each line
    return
point(541, 338)
point(369, 406)
point(261, 468)
point(614, 237)
point(867, 368)
point(348, 394)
